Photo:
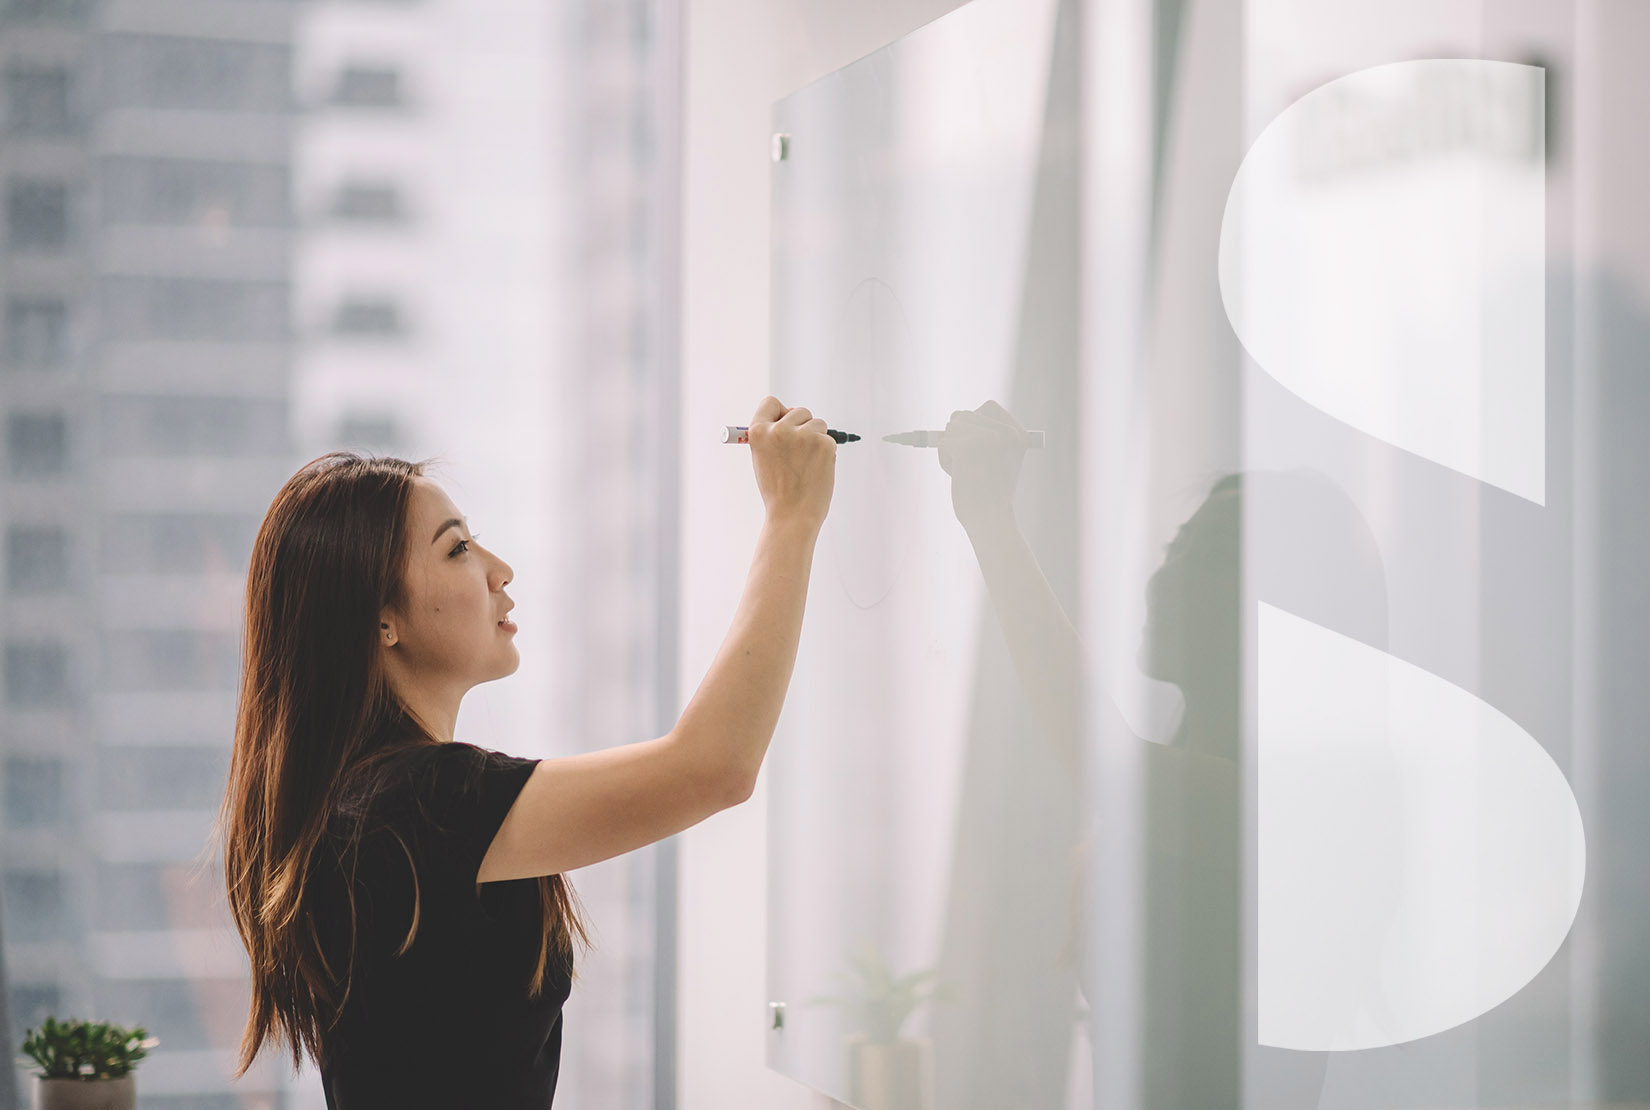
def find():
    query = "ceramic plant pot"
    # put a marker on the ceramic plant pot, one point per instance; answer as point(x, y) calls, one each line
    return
point(86, 1094)
point(889, 1075)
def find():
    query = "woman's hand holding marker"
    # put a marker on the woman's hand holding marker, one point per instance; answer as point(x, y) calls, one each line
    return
point(795, 462)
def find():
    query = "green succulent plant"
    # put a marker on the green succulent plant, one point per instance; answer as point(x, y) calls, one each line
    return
point(878, 1002)
point(88, 1050)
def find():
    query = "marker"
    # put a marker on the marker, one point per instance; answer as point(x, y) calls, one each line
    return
point(926, 437)
point(740, 433)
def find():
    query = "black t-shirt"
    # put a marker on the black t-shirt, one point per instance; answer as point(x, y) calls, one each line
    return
point(448, 1023)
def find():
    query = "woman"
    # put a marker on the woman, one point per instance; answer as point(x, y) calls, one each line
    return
point(401, 894)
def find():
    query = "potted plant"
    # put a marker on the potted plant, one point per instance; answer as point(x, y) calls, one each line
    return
point(86, 1065)
point(885, 1070)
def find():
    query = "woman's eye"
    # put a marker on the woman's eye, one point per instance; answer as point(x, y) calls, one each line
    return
point(463, 546)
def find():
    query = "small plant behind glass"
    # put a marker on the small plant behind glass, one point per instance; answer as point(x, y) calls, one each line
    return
point(878, 1003)
point(88, 1050)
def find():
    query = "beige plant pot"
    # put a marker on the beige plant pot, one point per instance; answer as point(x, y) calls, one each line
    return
point(889, 1075)
point(86, 1094)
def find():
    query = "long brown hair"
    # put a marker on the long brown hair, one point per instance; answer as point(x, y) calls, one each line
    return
point(315, 719)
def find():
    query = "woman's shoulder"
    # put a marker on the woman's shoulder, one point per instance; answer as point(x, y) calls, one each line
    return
point(423, 780)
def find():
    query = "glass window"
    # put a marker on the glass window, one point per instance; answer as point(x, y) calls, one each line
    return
point(162, 778)
point(376, 431)
point(37, 331)
point(34, 904)
point(186, 191)
point(175, 543)
point(202, 327)
point(156, 896)
point(47, 10)
point(31, 1004)
point(368, 316)
point(37, 443)
point(151, 659)
point(169, 1009)
point(159, 71)
point(361, 86)
point(192, 425)
point(37, 215)
point(33, 792)
point(37, 99)
point(37, 559)
point(368, 202)
point(192, 308)
point(37, 674)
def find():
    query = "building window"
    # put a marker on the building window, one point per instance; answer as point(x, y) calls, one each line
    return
point(162, 778)
point(374, 431)
point(37, 673)
point(155, 659)
point(37, 443)
point(176, 543)
point(368, 202)
point(37, 215)
point(72, 11)
point(193, 309)
point(215, 75)
point(173, 1014)
point(33, 792)
point(361, 86)
point(35, 906)
point(37, 99)
point(368, 316)
point(32, 1003)
point(37, 332)
point(155, 896)
point(37, 559)
point(221, 427)
point(187, 192)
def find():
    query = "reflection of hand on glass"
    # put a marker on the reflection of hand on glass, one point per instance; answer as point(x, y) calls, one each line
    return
point(1192, 830)
point(982, 451)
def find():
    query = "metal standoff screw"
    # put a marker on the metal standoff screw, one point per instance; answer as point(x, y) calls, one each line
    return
point(781, 146)
point(777, 1009)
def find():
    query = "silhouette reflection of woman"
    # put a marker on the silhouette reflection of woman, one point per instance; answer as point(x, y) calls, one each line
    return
point(1310, 552)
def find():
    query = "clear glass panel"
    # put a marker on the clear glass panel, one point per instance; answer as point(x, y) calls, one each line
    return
point(1349, 677)
point(1409, 559)
point(1351, 348)
point(923, 806)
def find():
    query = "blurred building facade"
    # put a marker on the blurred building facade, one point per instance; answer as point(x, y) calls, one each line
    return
point(237, 235)
point(146, 164)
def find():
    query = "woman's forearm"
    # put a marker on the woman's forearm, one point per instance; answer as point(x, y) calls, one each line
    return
point(732, 716)
point(1045, 648)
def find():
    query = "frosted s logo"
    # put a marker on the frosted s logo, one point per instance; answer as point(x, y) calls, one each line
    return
point(1382, 257)
point(1421, 856)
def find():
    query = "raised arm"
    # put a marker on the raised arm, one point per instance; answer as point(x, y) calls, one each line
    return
point(582, 809)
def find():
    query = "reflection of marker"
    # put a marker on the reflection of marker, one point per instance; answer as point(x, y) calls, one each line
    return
point(927, 437)
point(740, 433)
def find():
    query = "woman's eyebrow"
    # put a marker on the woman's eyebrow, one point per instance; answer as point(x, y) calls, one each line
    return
point(446, 524)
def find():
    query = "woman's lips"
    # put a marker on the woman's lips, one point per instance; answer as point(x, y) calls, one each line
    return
point(508, 625)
